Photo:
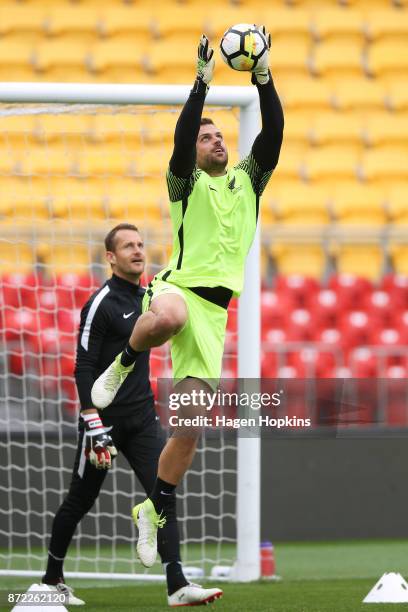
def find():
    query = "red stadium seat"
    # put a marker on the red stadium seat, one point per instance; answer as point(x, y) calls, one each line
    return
point(378, 307)
point(363, 363)
point(401, 323)
point(330, 336)
point(269, 364)
point(397, 287)
point(11, 285)
point(68, 319)
point(356, 329)
point(75, 289)
point(393, 341)
point(325, 308)
point(314, 363)
point(350, 289)
point(299, 289)
point(274, 309)
point(300, 327)
point(287, 371)
point(20, 324)
point(342, 372)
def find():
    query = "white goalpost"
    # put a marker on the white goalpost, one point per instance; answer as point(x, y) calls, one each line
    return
point(22, 99)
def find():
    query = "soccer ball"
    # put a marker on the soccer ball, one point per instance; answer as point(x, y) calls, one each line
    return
point(242, 45)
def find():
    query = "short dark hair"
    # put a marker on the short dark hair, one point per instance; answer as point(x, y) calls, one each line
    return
point(206, 121)
point(110, 237)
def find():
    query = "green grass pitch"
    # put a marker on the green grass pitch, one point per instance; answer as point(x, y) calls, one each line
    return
point(316, 577)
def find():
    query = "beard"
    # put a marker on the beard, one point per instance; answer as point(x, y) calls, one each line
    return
point(213, 164)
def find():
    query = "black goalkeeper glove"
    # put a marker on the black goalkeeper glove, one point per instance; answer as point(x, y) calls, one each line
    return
point(99, 447)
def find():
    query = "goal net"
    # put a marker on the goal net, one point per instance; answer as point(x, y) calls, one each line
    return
point(68, 173)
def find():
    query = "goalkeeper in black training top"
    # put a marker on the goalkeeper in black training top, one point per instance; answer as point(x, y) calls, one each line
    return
point(130, 425)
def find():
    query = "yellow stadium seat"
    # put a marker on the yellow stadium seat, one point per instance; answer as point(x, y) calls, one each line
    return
point(153, 161)
point(22, 199)
point(219, 19)
point(307, 93)
point(69, 257)
point(160, 123)
point(16, 61)
point(365, 260)
point(57, 59)
point(76, 188)
point(311, 4)
point(67, 206)
point(398, 95)
point(337, 60)
point(387, 129)
point(68, 19)
point(22, 20)
point(286, 24)
point(302, 204)
point(359, 94)
point(336, 128)
point(51, 128)
point(385, 165)
point(339, 24)
point(223, 75)
point(106, 162)
point(11, 163)
point(136, 20)
point(298, 258)
point(290, 162)
point(267, 216)
point(173, 20)
point(17, 128)
point(388, 59)
point(397, 204)
point(157, 57)
point(399, 257)
point(43, 160)
point(331, 163)
point(120, 127)
point(289, 60)
point(368, 5)
point(359, 204)
point(143, 203)
point(389, 24)
point(34, 211)
point(297, 127)
point(15, 256)
point(116, 61)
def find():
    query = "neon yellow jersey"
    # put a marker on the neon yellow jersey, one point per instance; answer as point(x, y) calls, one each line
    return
point(214, 222)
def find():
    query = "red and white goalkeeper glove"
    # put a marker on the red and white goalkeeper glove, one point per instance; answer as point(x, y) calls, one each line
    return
point(99, 447)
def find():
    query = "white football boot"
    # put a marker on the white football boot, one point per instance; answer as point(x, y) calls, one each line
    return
point(109, 382)
point(147, 521)
point(64, 589)
point(193, 595)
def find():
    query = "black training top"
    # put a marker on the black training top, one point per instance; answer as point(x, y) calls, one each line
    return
point(107, 321)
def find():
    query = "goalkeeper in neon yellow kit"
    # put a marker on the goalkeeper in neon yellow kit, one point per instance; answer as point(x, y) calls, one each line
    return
point(214, 212)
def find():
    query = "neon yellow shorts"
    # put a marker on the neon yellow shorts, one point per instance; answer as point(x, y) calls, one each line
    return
point(198, 348)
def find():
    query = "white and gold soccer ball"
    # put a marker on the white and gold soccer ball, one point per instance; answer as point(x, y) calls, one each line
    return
point(242, 46)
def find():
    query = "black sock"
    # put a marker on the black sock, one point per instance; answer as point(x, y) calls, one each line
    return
point(128, 356)
point(175, 577)
point(161, 493)
point(54, 572)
